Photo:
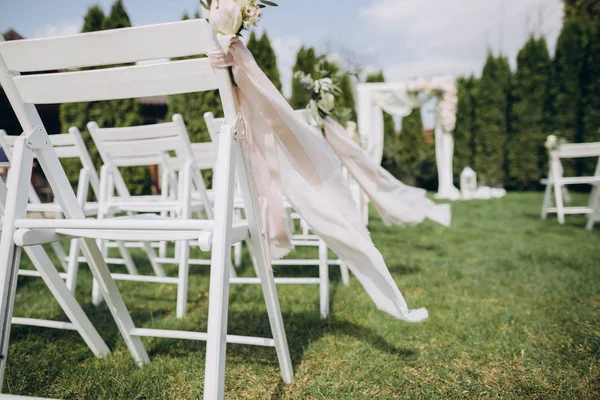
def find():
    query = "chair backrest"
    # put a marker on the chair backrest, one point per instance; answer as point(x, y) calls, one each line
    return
point(578, 150)
point(110, 48)
point(142, 145)
point(66, 145)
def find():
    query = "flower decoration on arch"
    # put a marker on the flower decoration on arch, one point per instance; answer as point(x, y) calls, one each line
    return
point(444, 88)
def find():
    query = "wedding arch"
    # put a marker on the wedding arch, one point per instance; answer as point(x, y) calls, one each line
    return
point(400, 99)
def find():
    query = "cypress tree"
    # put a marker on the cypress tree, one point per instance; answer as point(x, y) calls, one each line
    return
point(526, 153)
point(306, 60)
point(464, 133)
point(118, 17)
point(564, 110)
point(491, 121)
point(412, 150)
point(591, 97)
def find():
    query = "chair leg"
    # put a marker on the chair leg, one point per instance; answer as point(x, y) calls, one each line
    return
point(345, 274)
point(73, 265)
point(218, 307)
point(158, 269)
point(323, 279)
point(7, 307)
point(595, 206)
point(183, 278)
point(126, 255)
point(546, 203)
point(560, 211)
point(67, 301)
point(62, 256)
point(114, 301)
point(237, 255)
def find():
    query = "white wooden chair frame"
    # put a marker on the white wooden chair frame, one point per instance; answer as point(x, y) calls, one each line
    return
point(68, 146)
point(46, 270)
point(144, 146)
point(114, 47)
point(304, 238)
point(556, 183)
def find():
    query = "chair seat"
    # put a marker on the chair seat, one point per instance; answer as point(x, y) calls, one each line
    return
point(141, 227)
point(90, 209)
point(579, 180)
point(150, 204)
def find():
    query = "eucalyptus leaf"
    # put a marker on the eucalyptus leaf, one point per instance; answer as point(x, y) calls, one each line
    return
point(269, 3)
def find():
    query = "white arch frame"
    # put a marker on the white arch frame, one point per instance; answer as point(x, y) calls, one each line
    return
point(370, 122)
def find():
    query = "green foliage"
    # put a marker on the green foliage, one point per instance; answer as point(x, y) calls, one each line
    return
point(265, 57)
point(464, 133)
point(93, 20)
point(588, 9)
point(410, 149)
point(591, 96)
point(526, 152)
point(346, 99)
point(564, 109)
point(306, 61)
point(491, 121)
point(114, 113)
point(118, 17)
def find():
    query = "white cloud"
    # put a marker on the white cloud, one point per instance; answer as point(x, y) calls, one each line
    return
point(62, 29)
point(443, 36)
point(286, 48)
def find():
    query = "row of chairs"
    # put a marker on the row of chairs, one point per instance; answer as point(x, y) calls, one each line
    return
point(228, 214)
point(557, 194)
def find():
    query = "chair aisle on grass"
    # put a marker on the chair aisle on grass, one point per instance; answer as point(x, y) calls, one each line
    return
point(143, 146)
point(68, 145)
point(556, 183)
point(302, 237)
point(108, 48)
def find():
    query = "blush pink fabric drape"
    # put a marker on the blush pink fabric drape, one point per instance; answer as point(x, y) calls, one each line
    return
point(288, 160)
point(396, 203)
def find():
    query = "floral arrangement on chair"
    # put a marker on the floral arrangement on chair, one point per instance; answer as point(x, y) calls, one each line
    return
point(231, 17)
point(323, 91)
point(553, 142)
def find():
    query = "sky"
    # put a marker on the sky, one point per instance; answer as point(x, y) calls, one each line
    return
point(404, 38)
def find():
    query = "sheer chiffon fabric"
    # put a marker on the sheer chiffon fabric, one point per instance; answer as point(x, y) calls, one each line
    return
point(396, 203)
point(288, 159)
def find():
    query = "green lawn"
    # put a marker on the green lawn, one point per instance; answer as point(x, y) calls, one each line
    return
point(514, 305)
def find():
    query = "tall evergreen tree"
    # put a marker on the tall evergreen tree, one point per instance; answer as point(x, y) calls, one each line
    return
point(412, 150)
point(114, 113)
point(526, 153)
point(491, 121)
point(306, 60)
point(265, 57)
point(464, 133)
point(564, 109)
point(591, 96)
point(588, 9)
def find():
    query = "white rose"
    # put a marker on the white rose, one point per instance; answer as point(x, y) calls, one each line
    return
point(326, 102)
point(225, 17)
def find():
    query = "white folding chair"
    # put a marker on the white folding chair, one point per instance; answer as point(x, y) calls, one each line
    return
point(556, 182)
point(302, 237)
point(126, 46)
point(144, 146)
point(46, 270)
point(68, 145)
